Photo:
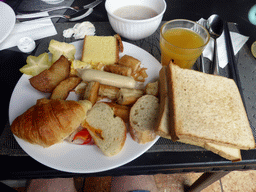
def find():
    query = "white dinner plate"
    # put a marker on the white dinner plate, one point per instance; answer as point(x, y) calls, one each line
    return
point(79, 158)
point(7, 20)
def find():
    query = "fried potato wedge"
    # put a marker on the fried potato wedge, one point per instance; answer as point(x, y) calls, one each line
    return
point(91, 92)
point(121, 111)
point(64, 87)
point(48, 79)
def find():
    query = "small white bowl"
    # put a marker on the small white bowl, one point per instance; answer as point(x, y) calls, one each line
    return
point(135, 29)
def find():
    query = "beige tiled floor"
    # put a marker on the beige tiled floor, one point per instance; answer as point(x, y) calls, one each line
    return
point(236, 181)
point(178, 182)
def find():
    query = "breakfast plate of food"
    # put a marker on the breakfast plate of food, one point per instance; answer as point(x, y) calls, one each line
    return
point(61, 153)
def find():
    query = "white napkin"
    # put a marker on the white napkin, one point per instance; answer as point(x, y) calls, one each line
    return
point(35, 29)
point(237, 39)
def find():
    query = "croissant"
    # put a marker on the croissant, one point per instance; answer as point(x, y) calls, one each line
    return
point(50, 121)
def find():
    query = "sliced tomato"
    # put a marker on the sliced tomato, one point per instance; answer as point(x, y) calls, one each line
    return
point(84, 136)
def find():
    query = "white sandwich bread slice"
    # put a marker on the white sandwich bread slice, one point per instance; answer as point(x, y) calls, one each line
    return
point(107, 131)
point(229, 153)
point(143, 115)
point(163, 128)
point(162, 124)
point(207, 109)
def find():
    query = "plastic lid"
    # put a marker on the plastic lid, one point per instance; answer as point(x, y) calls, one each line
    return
point(26, 44)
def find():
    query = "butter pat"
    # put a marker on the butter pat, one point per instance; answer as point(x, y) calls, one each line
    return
point(80, 30)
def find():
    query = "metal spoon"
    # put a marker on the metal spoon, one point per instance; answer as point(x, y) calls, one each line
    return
point(215, 27)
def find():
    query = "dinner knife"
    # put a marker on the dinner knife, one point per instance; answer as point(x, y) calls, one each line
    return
point(75, 8)
point(231, 58)
point(233, 65)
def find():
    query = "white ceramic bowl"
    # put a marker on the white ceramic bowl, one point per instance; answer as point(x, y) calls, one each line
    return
point(135, 29)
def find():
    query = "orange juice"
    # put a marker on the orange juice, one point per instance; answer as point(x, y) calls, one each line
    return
point(181, 45)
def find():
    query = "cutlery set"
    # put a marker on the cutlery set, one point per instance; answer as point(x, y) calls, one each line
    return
point(215, 26)
point(79, 14)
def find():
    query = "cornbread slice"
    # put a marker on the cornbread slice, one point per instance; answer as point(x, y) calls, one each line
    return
point(102, 49)
point(207, 108)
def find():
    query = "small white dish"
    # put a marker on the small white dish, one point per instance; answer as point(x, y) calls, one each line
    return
point(135, 29)
point(7, 21)
point(26, 44)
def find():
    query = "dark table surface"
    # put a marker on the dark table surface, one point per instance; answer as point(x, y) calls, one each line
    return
point(149, 163)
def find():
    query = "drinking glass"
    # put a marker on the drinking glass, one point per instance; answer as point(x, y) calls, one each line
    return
point(182, 41)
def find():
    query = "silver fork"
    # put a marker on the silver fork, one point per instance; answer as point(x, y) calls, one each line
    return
point(49, 9)
point(93, 4)
point(76, 8)
point(74, 17)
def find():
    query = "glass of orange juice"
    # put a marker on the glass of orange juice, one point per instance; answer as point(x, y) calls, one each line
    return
point(182, 41)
